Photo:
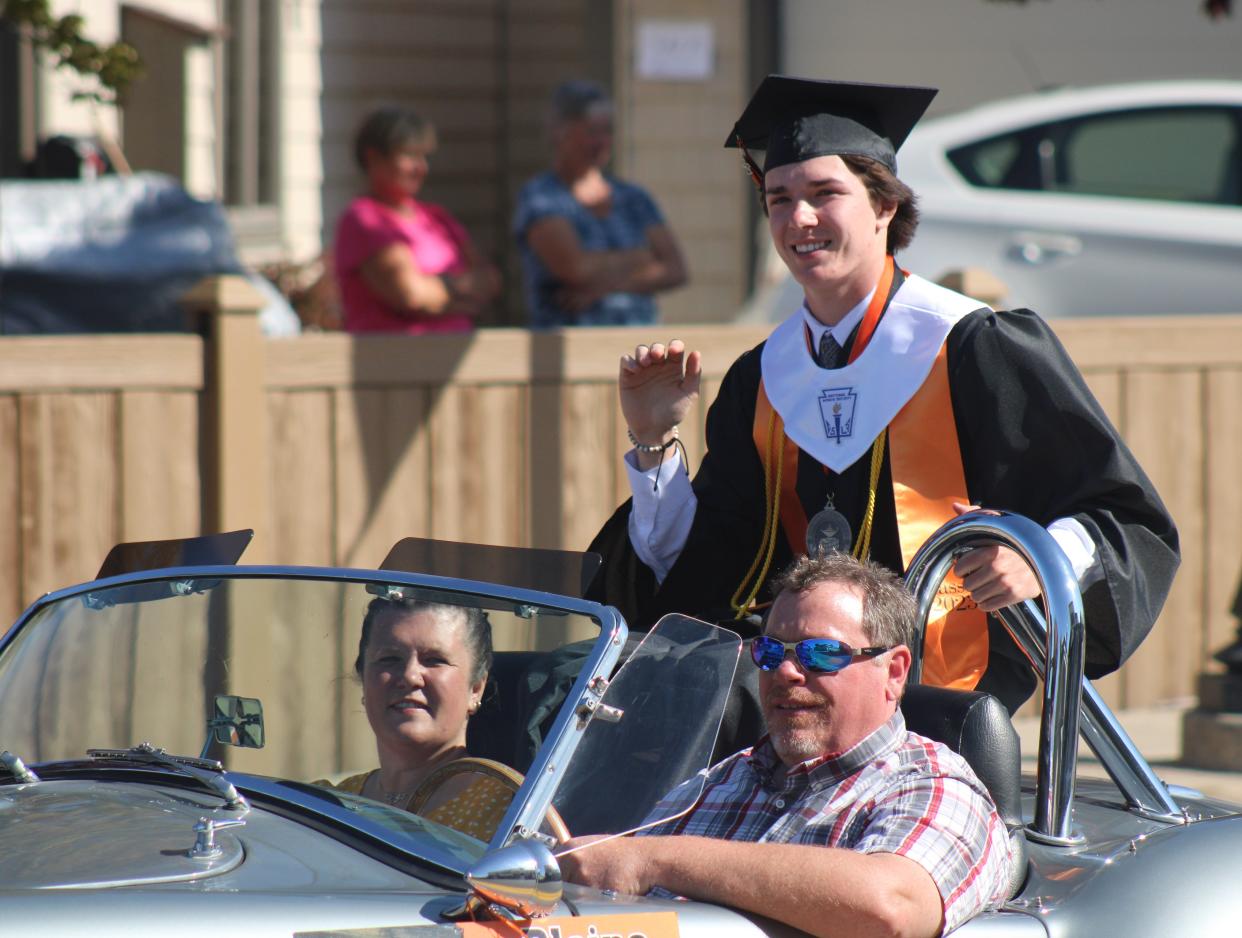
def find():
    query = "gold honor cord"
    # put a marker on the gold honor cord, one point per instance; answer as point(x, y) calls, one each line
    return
point(862, 547)
point(771, 524)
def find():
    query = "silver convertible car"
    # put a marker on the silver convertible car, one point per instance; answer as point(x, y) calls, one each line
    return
point(170, 731)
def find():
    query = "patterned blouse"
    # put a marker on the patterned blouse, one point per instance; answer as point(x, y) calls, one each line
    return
point(623, 228)
point(476, 810)
point(894, 792)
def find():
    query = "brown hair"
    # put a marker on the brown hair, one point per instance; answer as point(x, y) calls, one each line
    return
point(886, 189)
point(574, 99)
point(889, 609)
point(478, 629)
point(388, 129)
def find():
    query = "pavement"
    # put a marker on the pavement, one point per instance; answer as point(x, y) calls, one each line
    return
point(1157, 732)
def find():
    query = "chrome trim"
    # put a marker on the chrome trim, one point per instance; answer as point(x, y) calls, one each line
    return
point(1143, 790)
point(1062, 646)
point(205, 846)
point(516, 595)
point(523, 879)
point(525, 815)
point(17, 768)
point(205, 771)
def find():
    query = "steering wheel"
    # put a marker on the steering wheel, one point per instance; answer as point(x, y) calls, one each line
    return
point(471, 795)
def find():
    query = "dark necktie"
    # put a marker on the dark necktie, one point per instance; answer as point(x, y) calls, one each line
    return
point(831, 355)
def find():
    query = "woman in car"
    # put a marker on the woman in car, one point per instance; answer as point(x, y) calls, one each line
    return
point(423, 668)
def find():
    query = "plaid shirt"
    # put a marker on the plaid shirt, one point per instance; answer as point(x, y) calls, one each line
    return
point(894, 792)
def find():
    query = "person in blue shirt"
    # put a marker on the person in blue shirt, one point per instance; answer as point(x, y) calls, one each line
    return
point(595, 249)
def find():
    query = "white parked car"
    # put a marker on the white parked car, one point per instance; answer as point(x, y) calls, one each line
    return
point(1114, 200)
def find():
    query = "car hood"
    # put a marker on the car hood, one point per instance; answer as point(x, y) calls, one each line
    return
point(78, 834)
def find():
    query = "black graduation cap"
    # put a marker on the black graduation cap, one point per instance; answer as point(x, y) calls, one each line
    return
point(796, 119)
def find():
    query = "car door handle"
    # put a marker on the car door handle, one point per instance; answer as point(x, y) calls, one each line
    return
point(1042, 247)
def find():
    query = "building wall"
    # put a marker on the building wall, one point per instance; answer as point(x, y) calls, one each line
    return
point(194, 73)
point(57, 109)
point(301, 135)
point(670, 136)
point(480, 70)
point(977, 51)
point(60, 114)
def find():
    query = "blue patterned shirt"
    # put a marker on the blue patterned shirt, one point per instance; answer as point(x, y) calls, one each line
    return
point(624, 228)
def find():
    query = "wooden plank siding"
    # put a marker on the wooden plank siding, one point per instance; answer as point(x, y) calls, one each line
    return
point(670, 138)
point(99, 442)
point(483, 71)
point(509, 437)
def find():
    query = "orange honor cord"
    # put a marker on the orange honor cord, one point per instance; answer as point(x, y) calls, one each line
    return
point(928, 478)
point(768, 428)
point(793, 518)
point(871, 319)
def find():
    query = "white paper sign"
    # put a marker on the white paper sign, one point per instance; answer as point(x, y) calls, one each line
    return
point(675, 51)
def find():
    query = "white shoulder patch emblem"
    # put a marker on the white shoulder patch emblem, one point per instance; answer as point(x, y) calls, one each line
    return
point(836, 407)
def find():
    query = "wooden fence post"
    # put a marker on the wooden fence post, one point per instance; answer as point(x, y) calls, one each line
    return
point(235, 461)
point(978, 283)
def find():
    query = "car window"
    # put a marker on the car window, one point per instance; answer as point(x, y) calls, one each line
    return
point(1174, 154)
point(1010, 161)
point(1188, 154)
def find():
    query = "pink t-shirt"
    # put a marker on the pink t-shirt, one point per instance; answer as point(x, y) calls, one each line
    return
point(435, 239)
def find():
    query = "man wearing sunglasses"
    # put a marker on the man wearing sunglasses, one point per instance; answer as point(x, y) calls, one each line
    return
point(839, 821)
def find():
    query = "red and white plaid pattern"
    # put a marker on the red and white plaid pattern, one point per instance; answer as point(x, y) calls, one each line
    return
point(894, 792)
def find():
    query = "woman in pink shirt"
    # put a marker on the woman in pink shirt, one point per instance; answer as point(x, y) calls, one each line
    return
point(404, 265)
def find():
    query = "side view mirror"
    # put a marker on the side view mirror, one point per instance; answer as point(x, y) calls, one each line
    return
point(236, 721)
point(523, 878)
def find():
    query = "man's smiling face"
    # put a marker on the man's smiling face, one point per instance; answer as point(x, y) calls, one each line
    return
point(825, 228)
point(811, 714)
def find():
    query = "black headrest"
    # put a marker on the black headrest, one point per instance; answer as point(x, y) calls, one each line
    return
point(496, 730)
point(977, 727)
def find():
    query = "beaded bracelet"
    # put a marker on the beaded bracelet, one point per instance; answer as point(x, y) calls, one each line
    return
point(651, 447)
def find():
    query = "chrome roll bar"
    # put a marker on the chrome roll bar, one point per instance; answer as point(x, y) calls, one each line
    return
point(1056, 650)
point(1062, 648)
point(1144, 792)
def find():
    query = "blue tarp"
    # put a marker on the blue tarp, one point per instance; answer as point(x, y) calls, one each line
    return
point(112, 254)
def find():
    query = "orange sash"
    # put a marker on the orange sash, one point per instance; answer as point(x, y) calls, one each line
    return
point(926, 464)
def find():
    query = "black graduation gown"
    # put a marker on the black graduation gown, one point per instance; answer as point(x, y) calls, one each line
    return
point(1034, 441)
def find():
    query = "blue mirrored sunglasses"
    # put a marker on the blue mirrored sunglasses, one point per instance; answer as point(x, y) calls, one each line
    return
point(814, 654)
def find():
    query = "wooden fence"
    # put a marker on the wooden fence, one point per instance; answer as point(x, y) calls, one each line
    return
point(334, 447)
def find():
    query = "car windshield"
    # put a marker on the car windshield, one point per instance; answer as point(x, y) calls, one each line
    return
point(663, 714)
point(114, 667)
point(160, 657)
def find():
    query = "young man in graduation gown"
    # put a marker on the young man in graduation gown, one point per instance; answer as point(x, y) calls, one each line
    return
point(881, 409)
